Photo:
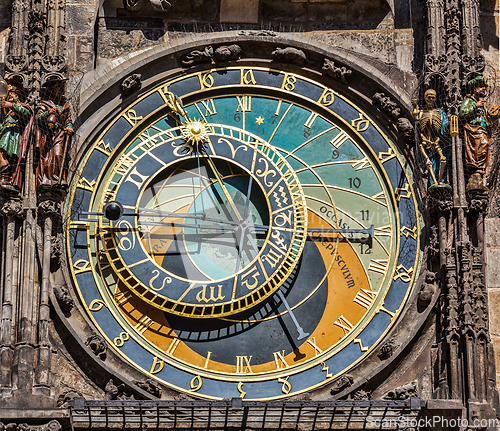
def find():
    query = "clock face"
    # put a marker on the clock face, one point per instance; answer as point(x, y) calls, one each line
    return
point(269, 239)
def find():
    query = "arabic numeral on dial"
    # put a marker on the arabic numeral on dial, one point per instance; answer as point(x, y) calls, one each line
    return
point(365, 248)
point(237, 117)
point(365, 214)
point(354, 182)
point(124, 229)
point(307, 132)
point(120, 340)
point(335, 154)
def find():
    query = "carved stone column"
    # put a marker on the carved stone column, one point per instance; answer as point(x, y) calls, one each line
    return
point(10, 211)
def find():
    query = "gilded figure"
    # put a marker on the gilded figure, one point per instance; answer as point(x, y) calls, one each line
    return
point(17, 121)
point(434, 127)
point(54, 128)
point(478, 120)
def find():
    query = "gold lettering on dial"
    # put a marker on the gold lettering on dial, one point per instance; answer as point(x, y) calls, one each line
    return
point(403, 273)
point(247, 77)
point(157, 365)
point(385, 156)
point(407, 232)
point(81, 265)
point(286, 387)
point(132, 117)
point(96, 305)
point(122, 297)
point(206, 80)
point(136, 178)
point(231, 147)
point(173, 345)
point(266, 172)
point(361, 164)
point(103, 148)
point(165, 280)
point(365, 298)
point(279, 360)
point(343, 323)
point(317, 350)
point(145, 323)
point(327, 98)
point(358, 341)
point(209, 106)
point(399, 192)
point(240, 390)
point(325, 368)
point(244, 103)
point(288, 83)
point(339, 139)
point(196, 383)
point(310, 120)
point(383, 230)
point(201, 296)
point(84, 183)
point(207, 360)
point(243, 364)
point(252, 274)
point(378, 265)
point(360, 123)
point(120, 340)
point(272, 258)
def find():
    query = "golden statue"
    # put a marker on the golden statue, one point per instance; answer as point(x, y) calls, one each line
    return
point(433, 123)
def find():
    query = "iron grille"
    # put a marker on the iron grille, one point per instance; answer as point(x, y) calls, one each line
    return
point(235, 413)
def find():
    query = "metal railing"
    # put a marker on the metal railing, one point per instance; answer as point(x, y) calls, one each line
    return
point(235, 413)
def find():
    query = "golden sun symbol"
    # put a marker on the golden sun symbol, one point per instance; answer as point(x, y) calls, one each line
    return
point(195, 132)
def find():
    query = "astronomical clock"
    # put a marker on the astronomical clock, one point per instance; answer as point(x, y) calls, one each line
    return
point(242, 232)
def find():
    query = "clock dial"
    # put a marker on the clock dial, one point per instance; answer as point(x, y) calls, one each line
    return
point(269, 238)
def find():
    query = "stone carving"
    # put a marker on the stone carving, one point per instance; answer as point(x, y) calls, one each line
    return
point(387, 350)
point(12, 207)
point(433, 129)
point(17, 121)
point(289, 55)
point(406, 128)
point(385, 103)
point(391, 108)
point(362, 395)
point(343, 382)
point(151, 386)
point(63, 297)
point(49, 208)
point(228, 52)
point(52, 138)
point(478, 200)
point(66, 397)
point(428, 289)
point(402, 392)
point(53, 425)
point(434, 64)
point(340, 73)
point(478, 119)
point(97, 345)
point(114, 392)
point(131, 84)
point(54, 63)
point(209, 55)
point(16, 63)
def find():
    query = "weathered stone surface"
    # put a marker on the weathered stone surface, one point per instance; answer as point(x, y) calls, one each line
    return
point(493, 267)
point(239, 11)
